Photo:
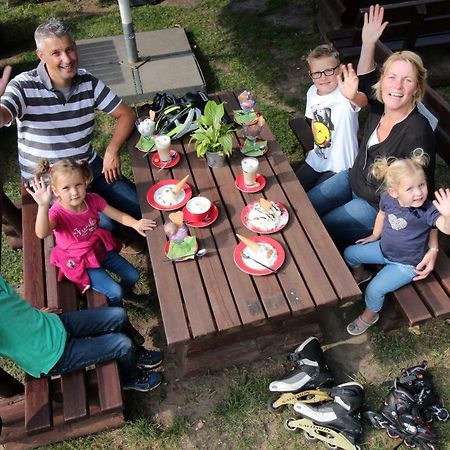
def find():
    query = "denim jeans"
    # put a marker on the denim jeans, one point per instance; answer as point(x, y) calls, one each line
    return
point(102, 282)
point(94, 336)
point(390, 278)
point(346, 216)
point(121, 195)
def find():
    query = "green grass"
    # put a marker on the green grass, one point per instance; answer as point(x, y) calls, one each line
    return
point(235, 49)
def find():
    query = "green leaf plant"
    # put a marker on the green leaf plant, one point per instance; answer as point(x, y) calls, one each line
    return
point(213, 134)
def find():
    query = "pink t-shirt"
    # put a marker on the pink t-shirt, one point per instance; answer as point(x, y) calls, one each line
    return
point(80, 243)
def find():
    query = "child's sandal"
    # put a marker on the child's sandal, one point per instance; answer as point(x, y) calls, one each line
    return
point(355, 330)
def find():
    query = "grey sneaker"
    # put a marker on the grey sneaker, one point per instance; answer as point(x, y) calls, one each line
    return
point(145, 382)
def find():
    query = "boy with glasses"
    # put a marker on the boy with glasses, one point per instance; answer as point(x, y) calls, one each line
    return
point(332, 106)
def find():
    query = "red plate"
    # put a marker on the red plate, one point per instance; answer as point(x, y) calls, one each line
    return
point(210, 219)
point(156, 189)
point(249, 266)
point(239, 183)
point(167, 165)
point(281, 224)
point(166, 251)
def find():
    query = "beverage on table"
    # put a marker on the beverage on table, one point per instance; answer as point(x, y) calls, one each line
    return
point(162, 143)
point(250, 169)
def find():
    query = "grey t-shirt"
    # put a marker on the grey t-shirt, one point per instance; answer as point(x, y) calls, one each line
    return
point(406, 230)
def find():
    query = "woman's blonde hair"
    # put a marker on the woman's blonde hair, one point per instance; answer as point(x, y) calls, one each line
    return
point(391, 170)
point(62, 167)
point(419, 70)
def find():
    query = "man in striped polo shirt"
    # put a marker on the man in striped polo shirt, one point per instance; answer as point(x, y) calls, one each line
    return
point(54, 105)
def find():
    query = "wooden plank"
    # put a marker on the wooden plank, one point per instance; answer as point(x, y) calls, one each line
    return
point(38, 410)
point(303, 133)
point(442, 271)
point(410, 305)
point(169, 295)
point(108, 380)
point(214, 278)
point(434, 296)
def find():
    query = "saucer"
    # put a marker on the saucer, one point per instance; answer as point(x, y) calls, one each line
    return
point(239, 183)
point(210, 219)
point(284, 218)
point(166, 164)
point(250, 267)
point(154, 192)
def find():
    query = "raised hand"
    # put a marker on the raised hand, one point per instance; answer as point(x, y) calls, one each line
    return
point(373, 25)
point(442, 202)
point(41, 192)
point(348, 81)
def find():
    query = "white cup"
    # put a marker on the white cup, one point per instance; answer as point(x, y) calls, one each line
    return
point(250, 169)
point(162, 143)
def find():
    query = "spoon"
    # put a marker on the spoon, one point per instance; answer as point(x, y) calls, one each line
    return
point(197, 254)
point(245, 256)
point(172, 156)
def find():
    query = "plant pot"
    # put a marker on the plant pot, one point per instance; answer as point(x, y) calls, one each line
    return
point(215, 160)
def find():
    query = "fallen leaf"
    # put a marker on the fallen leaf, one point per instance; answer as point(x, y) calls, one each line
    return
point(415, 330)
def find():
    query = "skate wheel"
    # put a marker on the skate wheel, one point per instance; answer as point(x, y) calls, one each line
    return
point(288, 425)
point(270, 406)
point(309, 437)
point(392, 434)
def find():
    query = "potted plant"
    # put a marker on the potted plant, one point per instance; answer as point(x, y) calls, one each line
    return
point(214, 137)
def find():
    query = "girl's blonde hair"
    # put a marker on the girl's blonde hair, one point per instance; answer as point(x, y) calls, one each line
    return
point(419, 71)
point(391, 170)
point(62, 167)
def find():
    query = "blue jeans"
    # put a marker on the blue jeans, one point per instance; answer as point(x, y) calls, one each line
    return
point(346, 216)
point(94, 336)
point(390, 278)
point(121, 195)
point(102, 282)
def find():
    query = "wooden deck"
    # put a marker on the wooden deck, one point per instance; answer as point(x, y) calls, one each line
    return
point(214, 314)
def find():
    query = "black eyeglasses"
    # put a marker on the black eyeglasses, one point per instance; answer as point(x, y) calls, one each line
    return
point(326, 72)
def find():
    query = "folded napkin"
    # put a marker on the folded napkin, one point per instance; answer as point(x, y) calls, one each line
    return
point(256, 148)
point(146, 144)
point(185, 249)
point(242, 117)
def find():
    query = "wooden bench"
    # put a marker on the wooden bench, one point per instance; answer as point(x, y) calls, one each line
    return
point(75, 404)
point(413, 25)
point(427, 298)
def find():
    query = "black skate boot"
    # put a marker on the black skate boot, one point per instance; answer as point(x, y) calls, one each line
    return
point(401, 419)
point(418, 381)
point(309, 381)
point(336, 423)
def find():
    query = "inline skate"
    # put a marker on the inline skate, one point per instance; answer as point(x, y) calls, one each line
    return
point(418, 381)
point(307, 383)
point(401, 418)
point(337, 423)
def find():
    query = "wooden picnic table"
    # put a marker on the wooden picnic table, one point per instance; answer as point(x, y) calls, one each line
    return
point(215, 315)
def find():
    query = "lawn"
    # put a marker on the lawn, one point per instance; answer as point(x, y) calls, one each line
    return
point(257, 45)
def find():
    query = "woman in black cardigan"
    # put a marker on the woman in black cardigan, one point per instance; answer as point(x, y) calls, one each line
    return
point(348, 201)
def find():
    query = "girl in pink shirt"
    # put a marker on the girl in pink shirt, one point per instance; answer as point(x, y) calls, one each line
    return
point(83, 251)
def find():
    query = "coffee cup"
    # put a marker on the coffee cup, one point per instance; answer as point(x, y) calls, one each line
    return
point(162, 143)
point(198, 209)
point(250, 169)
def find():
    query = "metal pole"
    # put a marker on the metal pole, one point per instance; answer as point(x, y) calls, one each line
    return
point(128, 31)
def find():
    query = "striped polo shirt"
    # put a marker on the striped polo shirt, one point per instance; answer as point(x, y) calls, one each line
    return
point(51, 126)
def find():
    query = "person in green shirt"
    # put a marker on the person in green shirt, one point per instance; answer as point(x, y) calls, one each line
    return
point(48, 342)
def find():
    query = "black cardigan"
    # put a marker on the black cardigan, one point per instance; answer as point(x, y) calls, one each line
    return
point(412, 132)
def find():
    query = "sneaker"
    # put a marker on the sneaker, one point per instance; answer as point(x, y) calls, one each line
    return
point(148, 359)
point(145, 382)
point(137, 300)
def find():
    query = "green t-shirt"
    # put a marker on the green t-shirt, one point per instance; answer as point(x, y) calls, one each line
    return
point(34, 339)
